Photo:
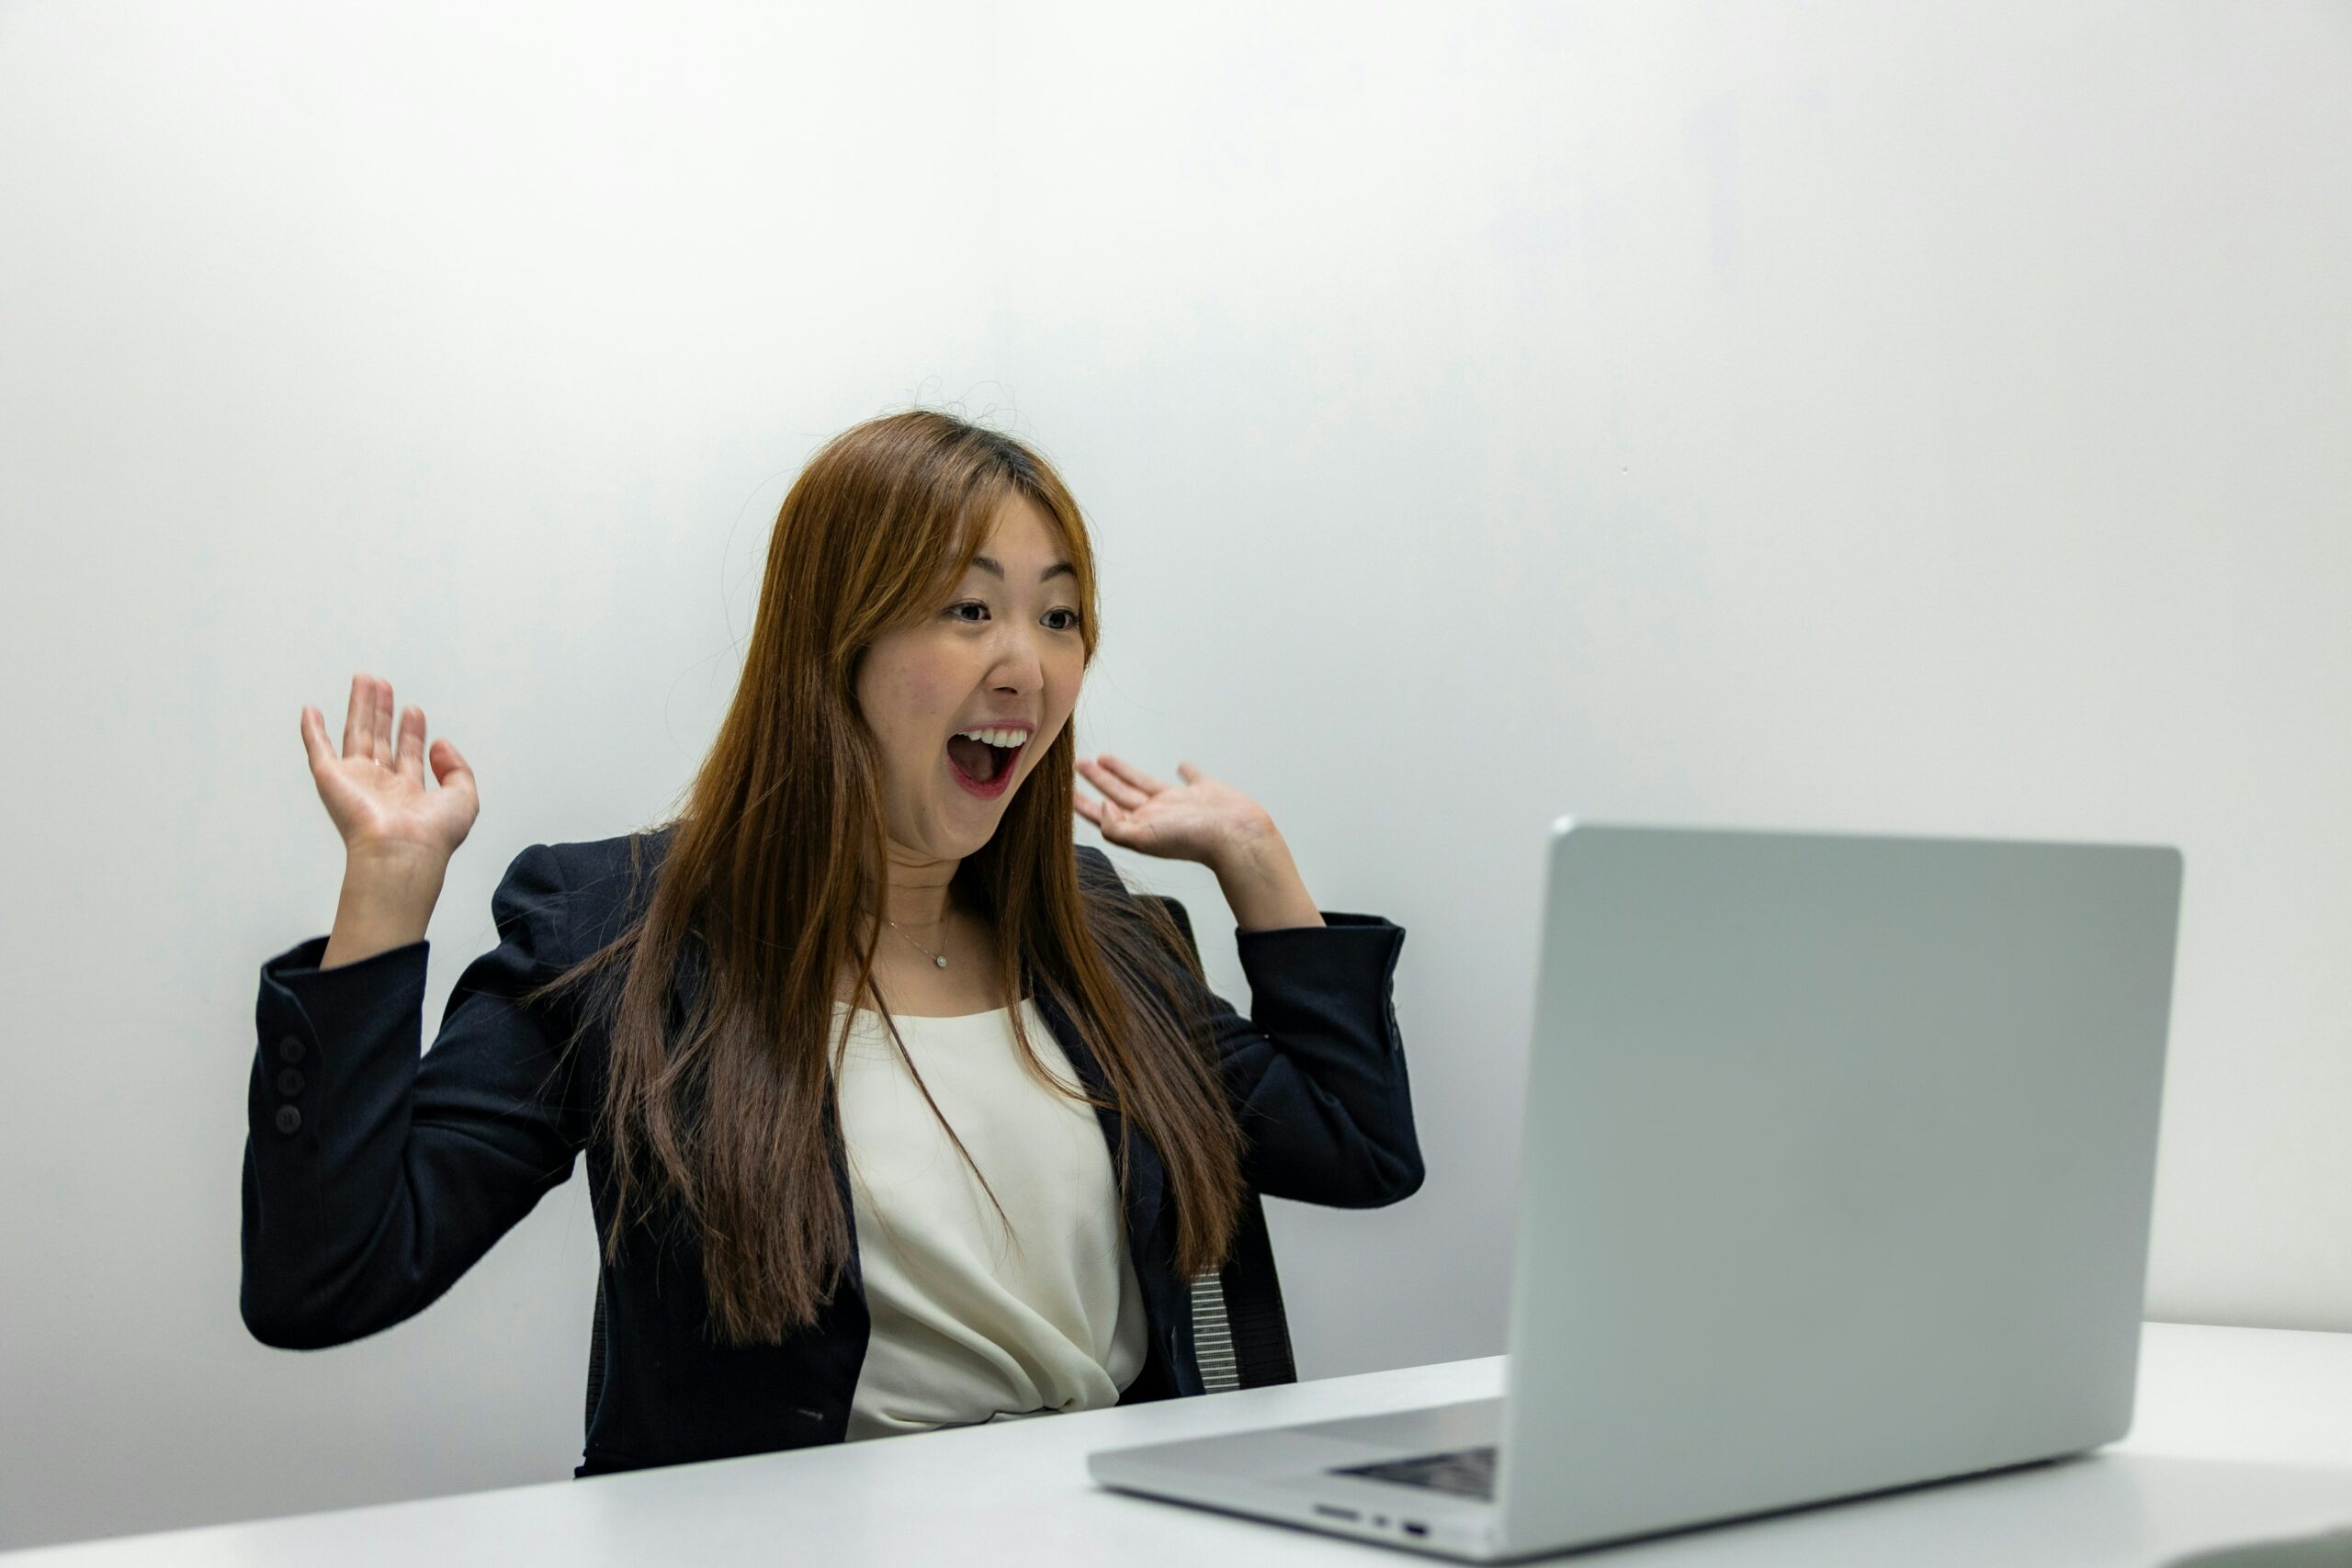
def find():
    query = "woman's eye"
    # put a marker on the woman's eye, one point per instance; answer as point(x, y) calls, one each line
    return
point(961, 606)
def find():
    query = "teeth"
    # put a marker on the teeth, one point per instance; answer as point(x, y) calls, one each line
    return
point(1005, 738)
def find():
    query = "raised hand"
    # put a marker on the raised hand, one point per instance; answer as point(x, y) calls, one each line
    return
point(376, 792)
point(1203, 819)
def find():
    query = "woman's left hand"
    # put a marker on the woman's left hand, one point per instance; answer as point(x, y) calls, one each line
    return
point(1201, 820)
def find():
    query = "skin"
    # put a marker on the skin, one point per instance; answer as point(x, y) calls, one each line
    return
point(1002, 644)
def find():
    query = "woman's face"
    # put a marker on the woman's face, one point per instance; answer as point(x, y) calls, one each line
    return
point(1004, 653)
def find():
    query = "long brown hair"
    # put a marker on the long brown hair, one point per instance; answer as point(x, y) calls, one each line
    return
point(781, 843)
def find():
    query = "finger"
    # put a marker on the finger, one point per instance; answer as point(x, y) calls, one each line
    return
point(371, 722)
point(354, 719)
point(1191, 774)
point(1111, 784)
point(1086, 808)
point(380, 733)
point(1133, 774)
point(314, 739)
point(449, 765)
point(412, 746)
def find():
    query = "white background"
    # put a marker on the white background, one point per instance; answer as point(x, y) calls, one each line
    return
point(1927, 418)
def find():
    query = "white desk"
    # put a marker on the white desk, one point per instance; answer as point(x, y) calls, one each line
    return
point(2241, 1433)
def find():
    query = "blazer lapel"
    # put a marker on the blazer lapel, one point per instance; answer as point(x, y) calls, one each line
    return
point(1146, 1177)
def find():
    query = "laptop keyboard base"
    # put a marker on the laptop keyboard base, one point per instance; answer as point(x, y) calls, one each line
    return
point(1466, 1473)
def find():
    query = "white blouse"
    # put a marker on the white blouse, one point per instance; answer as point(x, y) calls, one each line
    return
point(968, 1325)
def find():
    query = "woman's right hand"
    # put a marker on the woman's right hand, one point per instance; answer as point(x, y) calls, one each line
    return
point(376, 791)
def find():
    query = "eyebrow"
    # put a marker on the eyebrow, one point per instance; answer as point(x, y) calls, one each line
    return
point(996, 570)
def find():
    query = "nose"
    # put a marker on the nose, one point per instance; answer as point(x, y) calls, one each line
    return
point(1020, 664)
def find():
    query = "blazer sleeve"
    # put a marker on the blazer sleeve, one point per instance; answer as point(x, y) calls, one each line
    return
point(1315, 1071)
point(373, 1178)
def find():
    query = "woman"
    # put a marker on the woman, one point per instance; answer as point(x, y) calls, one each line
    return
point(901, 1111)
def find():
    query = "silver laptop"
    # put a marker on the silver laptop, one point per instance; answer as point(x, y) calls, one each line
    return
point(1838, 1154)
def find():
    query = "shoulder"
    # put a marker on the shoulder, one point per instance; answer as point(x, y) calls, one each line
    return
point(1101, 885)
point(1094, 869)
point(1130, 909)
point(583, 892)
point(608, 869)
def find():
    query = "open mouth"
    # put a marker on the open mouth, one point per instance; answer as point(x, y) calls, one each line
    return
point(982, 768)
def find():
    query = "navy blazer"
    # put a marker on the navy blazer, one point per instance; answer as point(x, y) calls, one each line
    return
point(373, 1178)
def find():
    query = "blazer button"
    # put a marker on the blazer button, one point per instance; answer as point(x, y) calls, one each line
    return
point(289, 1119)
point(289, 1050)
point(290, 1081)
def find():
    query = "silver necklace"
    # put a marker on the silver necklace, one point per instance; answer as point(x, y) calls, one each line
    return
point(939, 958)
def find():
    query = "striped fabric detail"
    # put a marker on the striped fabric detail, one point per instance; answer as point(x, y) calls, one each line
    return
point(1212, 1335)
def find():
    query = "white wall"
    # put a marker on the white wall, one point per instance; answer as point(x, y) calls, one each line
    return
point(1925, 418)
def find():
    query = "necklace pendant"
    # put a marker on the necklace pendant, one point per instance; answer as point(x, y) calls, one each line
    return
point(941, 961)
